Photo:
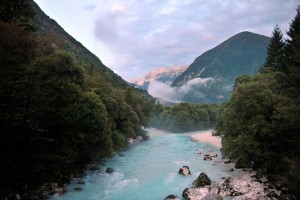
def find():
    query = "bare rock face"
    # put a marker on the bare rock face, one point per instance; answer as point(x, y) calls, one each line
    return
point(185, 170)
point(242, 188)
point(212, 196)
point(195, 193)
point(202, 180)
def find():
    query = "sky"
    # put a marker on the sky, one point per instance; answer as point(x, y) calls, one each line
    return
point(132, 37)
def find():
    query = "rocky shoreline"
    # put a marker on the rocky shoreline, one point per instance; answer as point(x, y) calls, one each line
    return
point(241, 184)
point(58, 187)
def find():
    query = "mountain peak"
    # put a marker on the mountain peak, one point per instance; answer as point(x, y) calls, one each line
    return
point(162, 74)
point(243, 53)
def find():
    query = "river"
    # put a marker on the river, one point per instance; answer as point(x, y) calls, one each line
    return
point(149, 170)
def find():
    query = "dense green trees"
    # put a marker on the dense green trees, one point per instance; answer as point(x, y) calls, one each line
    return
point(15, 10)
point(185, 117)
point(56, 113)
point(260, 124)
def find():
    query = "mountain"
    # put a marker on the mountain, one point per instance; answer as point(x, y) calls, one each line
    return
point(59, 37)
point(164, 74)
point(244, 53)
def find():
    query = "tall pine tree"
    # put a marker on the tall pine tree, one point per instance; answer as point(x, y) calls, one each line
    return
point(275, 52)
point(293, 50)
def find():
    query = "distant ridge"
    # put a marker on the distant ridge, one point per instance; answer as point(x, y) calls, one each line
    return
point(243, 53)
point(163, 74)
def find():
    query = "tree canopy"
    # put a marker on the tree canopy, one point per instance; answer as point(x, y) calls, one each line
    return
point(259, 125)
point(57, 115)
point(185, 117)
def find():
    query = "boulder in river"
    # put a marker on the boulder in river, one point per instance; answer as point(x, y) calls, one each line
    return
point(185, 170)
point(202, 180)
point(172, 197)
point(78, 188)
point(109, 170)
point(81, 182)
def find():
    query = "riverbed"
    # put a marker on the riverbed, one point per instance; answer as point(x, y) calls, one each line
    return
point(149, 170)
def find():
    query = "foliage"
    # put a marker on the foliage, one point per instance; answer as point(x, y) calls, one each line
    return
point(15, 10)
point(56, 113)
point(293, 50)
point(184, 117)
point(260, 123)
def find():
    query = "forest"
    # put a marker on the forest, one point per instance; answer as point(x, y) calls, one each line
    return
point(58, 113)
point(184, 117)
point(260, 125)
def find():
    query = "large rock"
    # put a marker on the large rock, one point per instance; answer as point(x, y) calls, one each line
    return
point(81, 182)
point(185, 170)
point(202, 181)
point(244, 186)
point(132, 141)
point(139, 138)
point(78, 188)
point(172, 197)
point(195, 193)
point(109, 170)
point(212, 196)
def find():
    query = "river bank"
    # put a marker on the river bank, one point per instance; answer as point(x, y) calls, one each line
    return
point(238, 184)
point(149, 170)
point(206, 136)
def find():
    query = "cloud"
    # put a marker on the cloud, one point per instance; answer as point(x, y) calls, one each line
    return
point(147, 34)
point(162, 90)
point(175, 95)
point(196, 84)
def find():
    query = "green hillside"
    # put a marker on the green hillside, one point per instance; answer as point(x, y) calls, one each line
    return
point(48, 27)
point(244, 53)
point(60, 107)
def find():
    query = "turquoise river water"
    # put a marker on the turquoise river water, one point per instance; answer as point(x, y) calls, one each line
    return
point(149, 170)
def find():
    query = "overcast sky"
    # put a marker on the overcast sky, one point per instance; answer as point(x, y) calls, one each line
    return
point(134, 36)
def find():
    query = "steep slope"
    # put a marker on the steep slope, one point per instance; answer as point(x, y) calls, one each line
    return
point(243, 53)
point(55, 33)
point(164, 74)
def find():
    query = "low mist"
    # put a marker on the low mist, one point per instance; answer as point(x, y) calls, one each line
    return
point(176, 94)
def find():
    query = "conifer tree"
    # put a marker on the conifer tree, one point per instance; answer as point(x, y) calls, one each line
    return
point(293, 49)
point(275, 52)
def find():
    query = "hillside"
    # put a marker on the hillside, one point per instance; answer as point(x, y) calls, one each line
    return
point(61, 108)
point(164, 74)
point(49, 27)
point(244, 53)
